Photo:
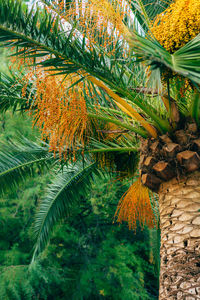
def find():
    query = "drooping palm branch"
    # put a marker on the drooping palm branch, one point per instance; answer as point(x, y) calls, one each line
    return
point(62, 193)
point(24, 159)
point(18, 161)
point(11, 93)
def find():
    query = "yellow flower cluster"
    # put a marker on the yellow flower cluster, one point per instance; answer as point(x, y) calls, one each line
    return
point(177, 25)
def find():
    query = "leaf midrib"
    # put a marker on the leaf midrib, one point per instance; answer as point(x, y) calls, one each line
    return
point(22, 165)
point(52, 203)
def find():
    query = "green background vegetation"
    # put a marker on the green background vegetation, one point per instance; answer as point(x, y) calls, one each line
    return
point(88, 257)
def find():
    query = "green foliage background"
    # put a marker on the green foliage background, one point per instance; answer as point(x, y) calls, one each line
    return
point(88, 257)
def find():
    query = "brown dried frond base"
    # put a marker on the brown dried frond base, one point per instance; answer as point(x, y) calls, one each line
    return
point(169, 156)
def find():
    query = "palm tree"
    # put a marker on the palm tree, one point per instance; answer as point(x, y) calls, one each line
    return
point(133, 102)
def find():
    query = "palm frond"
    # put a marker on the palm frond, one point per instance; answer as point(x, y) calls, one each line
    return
point(118, 155)
point(146, 10)
point(20, 161)
point(40, 35)
point(65, 190)
point(185, 61)
point(195, 113)
point(154, 235)
point(119, 141)
point(10, 93)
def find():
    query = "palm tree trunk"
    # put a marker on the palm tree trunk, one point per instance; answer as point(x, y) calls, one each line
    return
point(179, 203)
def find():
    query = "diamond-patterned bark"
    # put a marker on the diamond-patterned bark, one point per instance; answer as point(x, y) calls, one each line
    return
point(179, 202)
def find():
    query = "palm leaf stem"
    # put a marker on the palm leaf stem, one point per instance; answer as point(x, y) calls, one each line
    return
point(20, 166)
point(20, 36)
point(126, 107)
point(115, 112)
point(195, 113)
point(147, 21)
point(162, 125)
point(120, 124)
point(119, 149)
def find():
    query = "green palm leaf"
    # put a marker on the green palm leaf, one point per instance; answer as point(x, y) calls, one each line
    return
point(20, 161)
point(185, 61)
point(38, 34)
point(10, 93)
point(62, 193)
point(146, 10)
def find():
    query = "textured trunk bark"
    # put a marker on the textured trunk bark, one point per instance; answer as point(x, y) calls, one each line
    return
point(179, 203)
